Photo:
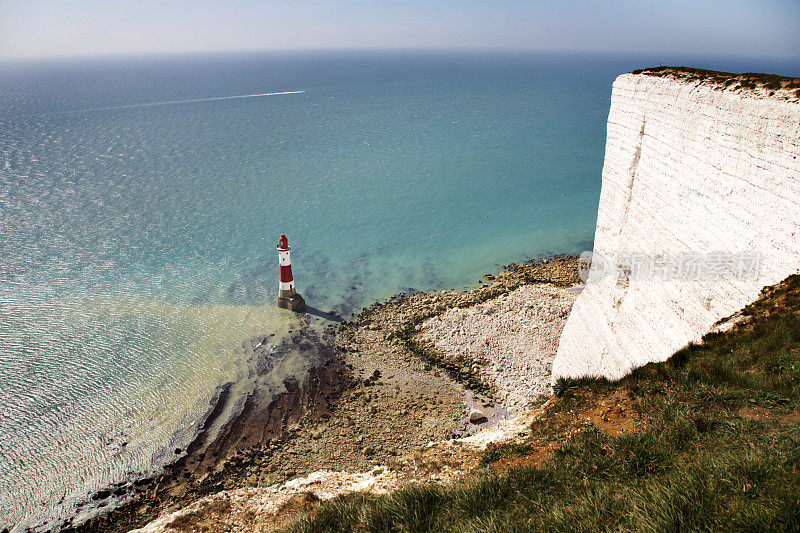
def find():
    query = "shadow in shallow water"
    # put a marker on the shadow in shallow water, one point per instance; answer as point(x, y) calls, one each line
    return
point(333, 317)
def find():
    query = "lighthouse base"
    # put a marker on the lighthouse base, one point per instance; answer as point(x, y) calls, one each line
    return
point(293, 303)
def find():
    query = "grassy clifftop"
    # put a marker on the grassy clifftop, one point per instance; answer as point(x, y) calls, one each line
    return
point(770, 83)
point(709, 440)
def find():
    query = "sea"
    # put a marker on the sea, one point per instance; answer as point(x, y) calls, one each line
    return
point(141, 199)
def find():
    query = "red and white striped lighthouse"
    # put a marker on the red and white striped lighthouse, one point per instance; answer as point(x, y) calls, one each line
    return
point(287, 295)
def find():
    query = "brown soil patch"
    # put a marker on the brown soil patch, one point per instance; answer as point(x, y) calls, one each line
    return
point(535, 458)
point(615, 415)
point(762, 413)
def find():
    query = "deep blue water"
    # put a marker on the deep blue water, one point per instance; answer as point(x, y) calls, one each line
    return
point(139, 213)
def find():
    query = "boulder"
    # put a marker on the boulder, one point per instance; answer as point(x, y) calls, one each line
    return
point(476, 416)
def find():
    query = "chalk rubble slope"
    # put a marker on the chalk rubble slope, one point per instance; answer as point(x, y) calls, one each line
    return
point(512, 339)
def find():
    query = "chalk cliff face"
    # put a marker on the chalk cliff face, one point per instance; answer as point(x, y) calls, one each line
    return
point(699, 209)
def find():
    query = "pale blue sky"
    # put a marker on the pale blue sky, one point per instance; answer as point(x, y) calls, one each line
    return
point(100, 27)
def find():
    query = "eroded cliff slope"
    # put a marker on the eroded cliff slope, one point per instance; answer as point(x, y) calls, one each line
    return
point(699, 209)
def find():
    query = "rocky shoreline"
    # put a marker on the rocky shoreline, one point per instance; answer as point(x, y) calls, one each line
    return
point(265, 419)
point(379, 393)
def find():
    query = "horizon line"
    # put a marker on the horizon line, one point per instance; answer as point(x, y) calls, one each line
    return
point(201, 52)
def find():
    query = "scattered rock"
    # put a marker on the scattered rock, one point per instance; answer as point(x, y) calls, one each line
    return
point(476, 416)
point(101, 495)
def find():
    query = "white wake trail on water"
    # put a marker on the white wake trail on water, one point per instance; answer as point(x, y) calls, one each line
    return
point(173, 102)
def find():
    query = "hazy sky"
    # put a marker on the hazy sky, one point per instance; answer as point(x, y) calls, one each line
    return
point(95, 27)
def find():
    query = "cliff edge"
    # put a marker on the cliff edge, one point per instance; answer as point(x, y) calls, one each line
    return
point(699, 210)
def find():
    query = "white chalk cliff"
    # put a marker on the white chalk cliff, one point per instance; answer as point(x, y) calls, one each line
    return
point(700, 204)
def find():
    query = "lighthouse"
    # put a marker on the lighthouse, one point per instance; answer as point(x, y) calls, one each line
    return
point(287, 296)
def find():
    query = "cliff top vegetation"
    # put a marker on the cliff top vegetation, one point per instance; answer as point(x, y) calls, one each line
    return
point(745, 80)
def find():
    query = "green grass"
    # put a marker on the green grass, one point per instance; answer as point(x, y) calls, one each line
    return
point(700, 464)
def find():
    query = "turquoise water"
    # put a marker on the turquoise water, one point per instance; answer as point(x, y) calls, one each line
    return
point(141, 199)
